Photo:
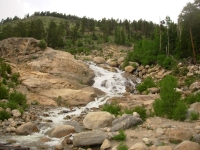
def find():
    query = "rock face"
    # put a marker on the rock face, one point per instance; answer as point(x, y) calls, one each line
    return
point(27, 128)
point(89, 138)
point(95, 120)
point(62, 130)
point(125, 122)
point(43, 72)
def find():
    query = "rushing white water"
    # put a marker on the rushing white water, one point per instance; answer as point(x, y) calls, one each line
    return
point(112, 83)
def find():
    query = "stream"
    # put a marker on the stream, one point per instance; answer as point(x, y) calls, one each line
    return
point(112, 83)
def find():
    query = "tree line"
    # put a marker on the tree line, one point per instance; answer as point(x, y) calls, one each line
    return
point(153, 43)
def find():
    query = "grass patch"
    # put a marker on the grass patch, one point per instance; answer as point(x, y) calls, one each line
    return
point(121, 136)
point(112, 108)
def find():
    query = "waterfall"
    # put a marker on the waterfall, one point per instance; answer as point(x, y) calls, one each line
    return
point(112, 83)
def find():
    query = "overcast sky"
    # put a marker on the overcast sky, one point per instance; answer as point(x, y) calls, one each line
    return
point(150, 10)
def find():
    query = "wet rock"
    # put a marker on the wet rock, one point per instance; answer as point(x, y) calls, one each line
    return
point(27, 128)
point(124, 122)
point(129, 69)
point(62, 130)
point(187, 145)
point(89, 138)
point(95, 120)
point(99, 60)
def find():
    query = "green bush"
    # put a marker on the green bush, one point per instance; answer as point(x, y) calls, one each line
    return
point(2, 105)
point(147, 83)
point(194, 116)
point(192, 98)
point(18, 97)
point(15, 77)
point(141, 111)
point(112, 108)
point(4, 115)
point(4, 92)
point(180, 111)
point(122, 146)
point(121, 136)
point(12, 105)
point(42, 44)
point(8, 69)
point(168, 97)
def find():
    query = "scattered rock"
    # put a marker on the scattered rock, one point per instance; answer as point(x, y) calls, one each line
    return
point(89, 138)
point(187, 145)
point(95, 120)
point(27, 128)
point(62, 130)
point(124, 122)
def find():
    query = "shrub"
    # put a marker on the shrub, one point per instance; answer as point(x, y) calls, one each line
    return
point(42, 44)
point(180, 111)
point(15, 77)
point(140, 110)
point(158, 107)
point(168, 97)
point(4, 92)
point(194, 116)
point(8, 69)
point(18, 97)
point(122, 146)
point(4, 115)
point(112, 108)
point(192, 98)
point(121, 136)
point(12, 105)
point(2, 105)
point(147, 83)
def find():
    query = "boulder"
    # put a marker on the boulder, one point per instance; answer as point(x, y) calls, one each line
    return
point(187, 145)
point(88, 138)
point(95, 120)
point(27, 128)
point(129, 69)
point(124, 122)
point(70, 97)
point(194, 86)
point(62, 130)
point(179, 135)
point(105, 145)
point(197, 138)
point(164, 148)
point(195, 106)
point(138, 146)
point(99, 60)
point(154, 90)
point(16, 113)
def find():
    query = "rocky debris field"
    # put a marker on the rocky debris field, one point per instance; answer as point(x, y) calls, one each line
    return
point(53, 78)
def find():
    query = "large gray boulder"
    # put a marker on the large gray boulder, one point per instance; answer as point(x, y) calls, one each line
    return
point(124, 122)
point(95, 120)
point(89, 138)
point(62, 130)
point(27, 128)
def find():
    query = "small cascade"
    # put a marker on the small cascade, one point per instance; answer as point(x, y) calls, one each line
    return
point(112, 83)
